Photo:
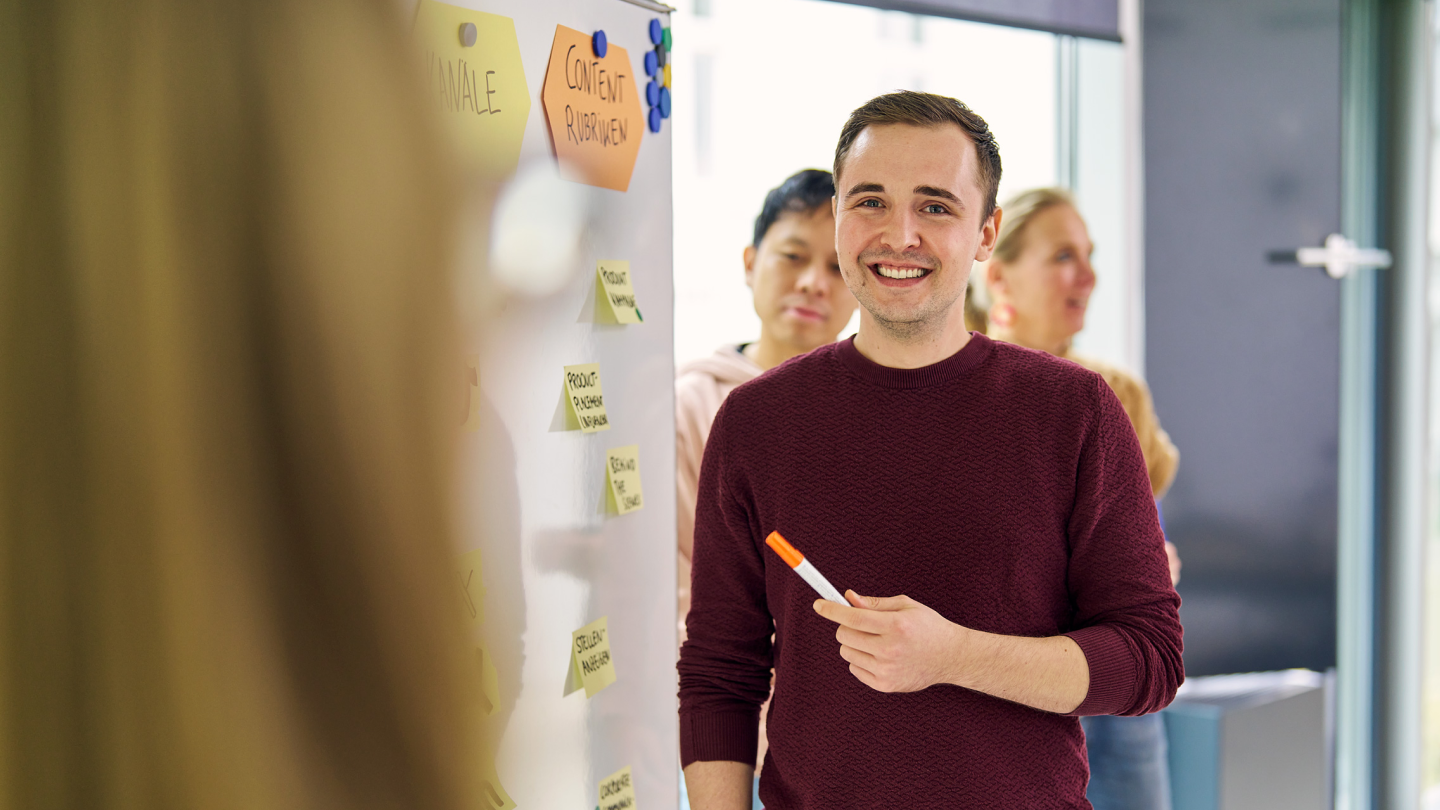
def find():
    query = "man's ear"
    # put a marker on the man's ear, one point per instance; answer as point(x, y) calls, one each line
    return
point(989, 235)
point(750, 266)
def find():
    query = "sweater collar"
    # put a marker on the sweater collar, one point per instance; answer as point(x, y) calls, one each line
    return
point(951, 368)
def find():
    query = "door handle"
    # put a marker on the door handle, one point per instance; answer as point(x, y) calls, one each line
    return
point(1339, 256)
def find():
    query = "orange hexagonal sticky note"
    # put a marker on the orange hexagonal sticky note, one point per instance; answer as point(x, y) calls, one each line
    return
point(476, 80)
point(594, 111)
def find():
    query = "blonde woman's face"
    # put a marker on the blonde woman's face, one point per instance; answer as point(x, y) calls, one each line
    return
point(1050, 282)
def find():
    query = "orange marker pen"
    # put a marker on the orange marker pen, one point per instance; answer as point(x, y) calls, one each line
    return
point(802, 566)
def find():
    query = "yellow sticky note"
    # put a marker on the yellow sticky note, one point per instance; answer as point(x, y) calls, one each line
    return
point(622, 470)
point(472, 586)
point(476, 80)
point(585, 399)
point(590, 662)
point(489, 680)
point(617, 792)
point(495, 797)
point(613, 280)
point(472, 393)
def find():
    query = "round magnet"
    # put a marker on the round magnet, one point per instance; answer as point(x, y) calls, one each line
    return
point(468, 34)
point(654, 119)
point(652, 93)
point(660, 58)
point(651, 63)
point(657, 32)
point(666, 74)
point(664, 106)
point(598, 42)
point(667, 39)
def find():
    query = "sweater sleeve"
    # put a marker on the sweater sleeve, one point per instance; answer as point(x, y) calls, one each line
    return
point(1127, 619)
point(726, 659)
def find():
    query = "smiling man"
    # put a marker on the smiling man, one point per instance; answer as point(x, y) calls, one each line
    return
point(990, 502)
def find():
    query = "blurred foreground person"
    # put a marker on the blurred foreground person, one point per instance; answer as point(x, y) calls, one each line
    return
point(1037, 286)
point(226, 412)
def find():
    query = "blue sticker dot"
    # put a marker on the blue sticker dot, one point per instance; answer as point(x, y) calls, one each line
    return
point(599, 43)
point(657, 32)
point(651, 63)
point(654, 119)
point(664, 105)
point(652, 93)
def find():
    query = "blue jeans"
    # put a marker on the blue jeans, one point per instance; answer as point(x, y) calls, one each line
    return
point(1128, 766)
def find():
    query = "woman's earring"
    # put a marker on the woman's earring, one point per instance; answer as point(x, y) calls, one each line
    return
point(1002, 315)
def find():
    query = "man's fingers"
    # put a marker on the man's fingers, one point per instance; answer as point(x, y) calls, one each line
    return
point(866, 678)
point(858, 658)
point(879, 602)
point(858, 618)
point(858, 639)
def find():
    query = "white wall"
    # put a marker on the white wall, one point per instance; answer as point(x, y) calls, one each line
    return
point(761, 90)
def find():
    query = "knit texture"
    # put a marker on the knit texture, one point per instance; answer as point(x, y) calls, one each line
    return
point(1002, 487)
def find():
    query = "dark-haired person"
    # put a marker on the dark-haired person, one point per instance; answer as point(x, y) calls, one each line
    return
point(990, 501)
point(803, 303)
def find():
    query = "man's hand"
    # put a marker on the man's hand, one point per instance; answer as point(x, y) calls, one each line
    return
point(894, 644)
point(1172, 556)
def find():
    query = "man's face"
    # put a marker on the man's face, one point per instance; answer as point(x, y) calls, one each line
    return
point(799, 295)
point(908, 224)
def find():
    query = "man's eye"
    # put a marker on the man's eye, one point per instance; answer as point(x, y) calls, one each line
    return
point(872, 203)
point(792, 257)
point(934, 208)
point(1064, 256)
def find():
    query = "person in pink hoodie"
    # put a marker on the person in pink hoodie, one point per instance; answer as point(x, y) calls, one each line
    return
point(793, 271)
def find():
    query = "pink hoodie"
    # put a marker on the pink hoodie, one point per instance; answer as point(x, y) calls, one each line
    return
point(700, 387)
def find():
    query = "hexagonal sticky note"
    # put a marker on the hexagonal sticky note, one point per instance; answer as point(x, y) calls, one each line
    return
point(477, 81)
point(593, 108)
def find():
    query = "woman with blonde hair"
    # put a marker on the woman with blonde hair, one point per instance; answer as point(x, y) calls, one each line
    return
point(226, 413)
point(1034, 293)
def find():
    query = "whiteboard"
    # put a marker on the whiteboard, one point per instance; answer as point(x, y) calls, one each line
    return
point(533, 494)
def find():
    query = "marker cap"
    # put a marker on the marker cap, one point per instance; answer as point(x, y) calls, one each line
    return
point(786, 551)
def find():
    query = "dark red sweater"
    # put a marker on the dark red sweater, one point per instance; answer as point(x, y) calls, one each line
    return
point(1002, 487)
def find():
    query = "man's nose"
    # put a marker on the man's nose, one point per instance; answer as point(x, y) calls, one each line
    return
point(902, 230)
point(815, 279)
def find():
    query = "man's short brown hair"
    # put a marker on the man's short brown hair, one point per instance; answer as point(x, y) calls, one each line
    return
point(926, 110)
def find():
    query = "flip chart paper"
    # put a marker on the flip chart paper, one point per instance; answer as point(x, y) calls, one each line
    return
point(617, 792)
point(593, 109)
point(622, 470)
point(590, 664)
point(614, 284)
point(472, 586)
point(479, 90)
point(585, 398)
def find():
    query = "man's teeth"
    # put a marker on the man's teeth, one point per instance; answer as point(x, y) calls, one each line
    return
point(899, 272)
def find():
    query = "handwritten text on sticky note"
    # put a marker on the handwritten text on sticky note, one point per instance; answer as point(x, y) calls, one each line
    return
point(585, 398)
point(476, 81)
point(593, 108)
point(622, 470)
point(617, 792)
point(618, 291)
point(590, 663)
